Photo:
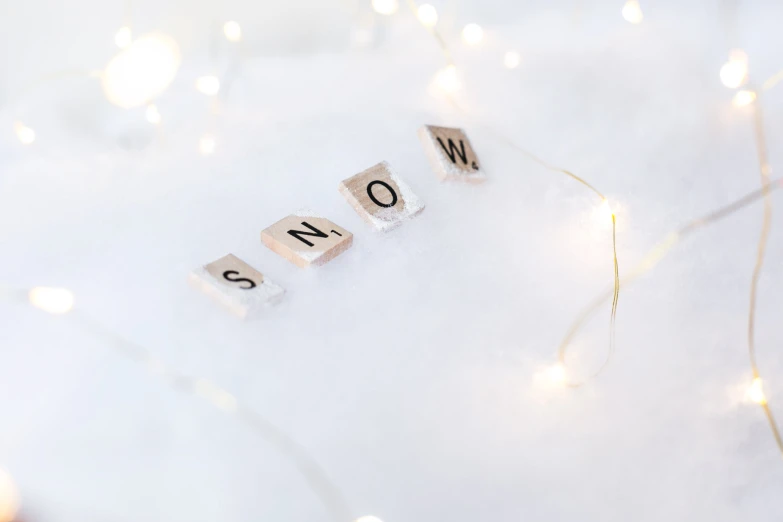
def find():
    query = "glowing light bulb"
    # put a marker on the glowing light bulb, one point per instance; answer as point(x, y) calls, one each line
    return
point(743, 98)
point(368, 518)
point(446, 80)
point(233, 31)
point(209, 85)
point(52, 300)
point(385, 7)
point(25, 134)
point(152, 114)
point(142, 72)
point(632, 12)
point(206, 145)
point(472, 34)
point(427, 15)
point(9, 498)
point(734, 72)
point(606, 209)
point(123, 37)
point(755, 392)
point(557, 374)
point(602, 214)
point(511, 60)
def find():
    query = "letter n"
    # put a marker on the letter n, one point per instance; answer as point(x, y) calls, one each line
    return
point(299, 233)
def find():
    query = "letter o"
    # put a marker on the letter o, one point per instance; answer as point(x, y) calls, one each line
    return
point(375, 200)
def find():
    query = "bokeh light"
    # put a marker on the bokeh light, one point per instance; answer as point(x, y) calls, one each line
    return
point(52, 300)
point(734, 73)
point(472, 34)
point(142, 72)
point(209, 85)
point(9, 498)
point(755, 392)
point(206, 145)
point(385, 7)
point(743, 98)
point(232, 31)
point(428, 15)
point(123, 37)
point(511, 60)
point(152, 114)
point(632, 12)
point(25, 134)
point(446, 80)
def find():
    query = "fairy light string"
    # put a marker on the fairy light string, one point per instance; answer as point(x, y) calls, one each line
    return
point(632, 13)
point(434, 32)
point(662, 249)
point(563, 349)
point(734, 74)
point(772, 81)
point(129, 81)
point(314, 475)
point(765, 171)
point(60, 301)
point(24, 133)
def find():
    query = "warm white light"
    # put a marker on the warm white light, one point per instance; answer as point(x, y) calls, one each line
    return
point(123, 37)
point(52, 300)
point(446, 80)
point(743, 98)
point(755, 392)
point(152, 114)
point(547, 378)
point(511, 60)
point(361, 37)
point(232, 31)
point(632, 12)
point(734, 72)
point(557, 374)
point(385, 7)
point(25, 134)
point(472, 34)
point(601, 215)
point(9, 498)
point(206, 145)
point(209, 85)
point(606, 209)
point(368, 518)
point(141, 72)
point(427, 15)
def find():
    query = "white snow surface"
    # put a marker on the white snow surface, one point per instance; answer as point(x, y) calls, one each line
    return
point(410, 367)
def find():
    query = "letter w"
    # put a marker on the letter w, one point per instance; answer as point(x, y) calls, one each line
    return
point(299, 233)
point(453, 150)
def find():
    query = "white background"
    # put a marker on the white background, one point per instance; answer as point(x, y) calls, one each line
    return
point(409, 366)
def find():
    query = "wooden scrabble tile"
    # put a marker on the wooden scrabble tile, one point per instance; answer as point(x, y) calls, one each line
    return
point(236, 285)
point(380, 197)
point(450, 154)
point(305, 239)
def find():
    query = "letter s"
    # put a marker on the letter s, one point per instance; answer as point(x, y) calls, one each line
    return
point(238, 280)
